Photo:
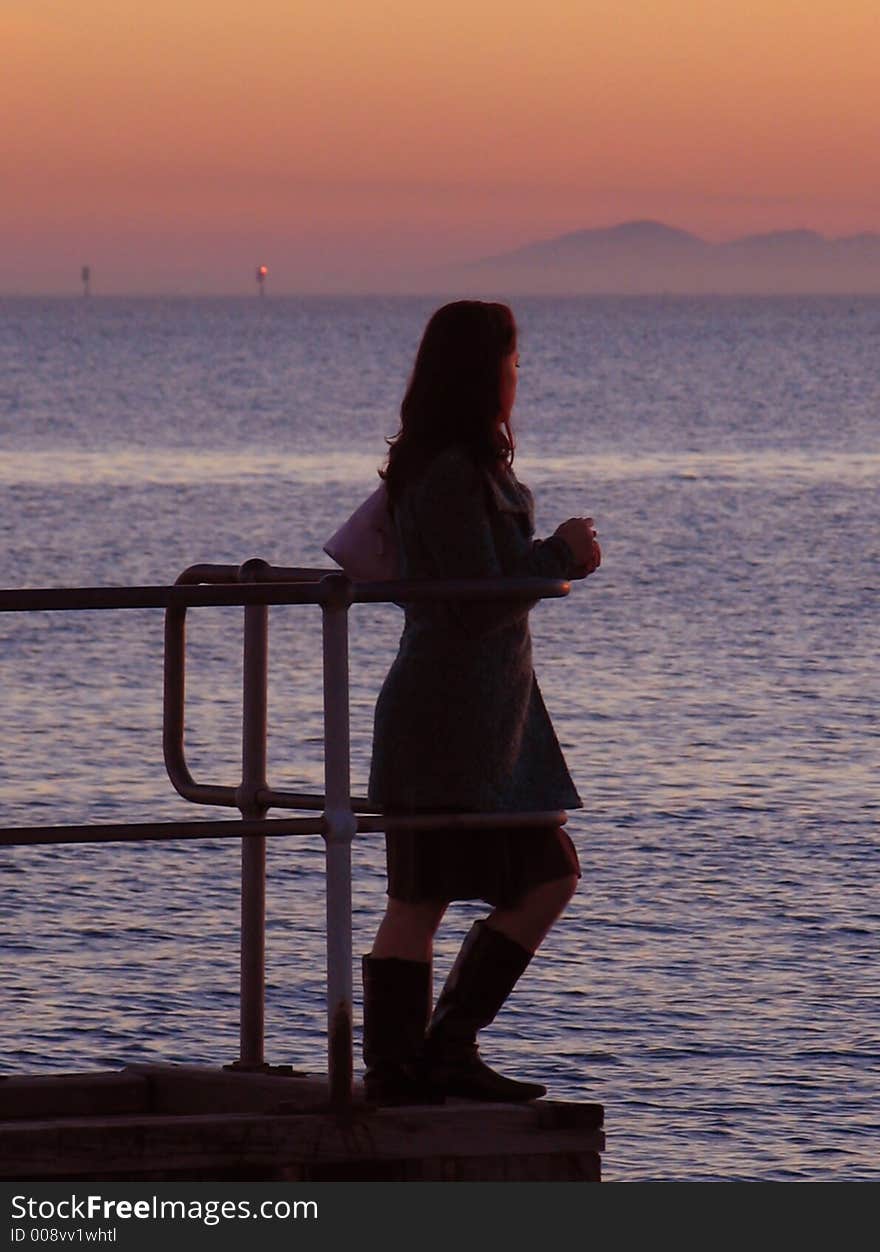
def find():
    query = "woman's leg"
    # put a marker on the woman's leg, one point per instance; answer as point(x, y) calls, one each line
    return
point(407, 930)
point(397, 1002)
point(528, 922)
point(495, 953)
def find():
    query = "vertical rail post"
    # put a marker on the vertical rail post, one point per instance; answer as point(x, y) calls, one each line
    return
point(340, 828)
point(253, 847)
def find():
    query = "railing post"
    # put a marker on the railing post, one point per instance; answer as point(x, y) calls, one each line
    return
point(253, 847)
point(340, 828)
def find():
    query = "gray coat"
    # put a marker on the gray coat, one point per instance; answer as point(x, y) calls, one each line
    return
point(460, 722)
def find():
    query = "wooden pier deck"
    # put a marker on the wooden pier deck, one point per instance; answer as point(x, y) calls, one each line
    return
point(170, 1123)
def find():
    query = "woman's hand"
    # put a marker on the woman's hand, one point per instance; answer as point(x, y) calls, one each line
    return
point(580, 535)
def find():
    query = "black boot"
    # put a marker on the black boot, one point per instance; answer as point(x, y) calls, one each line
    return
point(397, 1006)
point(485, 972)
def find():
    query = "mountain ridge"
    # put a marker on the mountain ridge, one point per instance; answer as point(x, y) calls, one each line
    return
point(649, 256)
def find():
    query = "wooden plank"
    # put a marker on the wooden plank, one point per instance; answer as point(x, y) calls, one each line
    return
point(73, 1095)
point(545, 1167)
point(202, 1089)
point(370, 1139)
point(183, 1089)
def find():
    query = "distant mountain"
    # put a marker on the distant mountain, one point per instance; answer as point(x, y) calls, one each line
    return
point(640, 234)
point(650, 257)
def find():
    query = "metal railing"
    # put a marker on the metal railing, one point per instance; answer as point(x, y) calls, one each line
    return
point(255, 585)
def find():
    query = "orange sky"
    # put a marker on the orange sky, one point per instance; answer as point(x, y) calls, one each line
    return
point(174, 144)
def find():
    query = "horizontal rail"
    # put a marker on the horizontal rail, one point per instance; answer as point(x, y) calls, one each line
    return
point(134, 832)
point(459, 821)
point(222, 594)
point(415, 589)
point(272, 799)
point(278, 827)
point(41, 599)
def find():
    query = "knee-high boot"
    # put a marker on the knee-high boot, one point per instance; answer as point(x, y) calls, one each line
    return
point(397, 1006)
point(483, 975)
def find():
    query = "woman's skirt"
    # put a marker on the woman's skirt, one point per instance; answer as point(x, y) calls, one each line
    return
point(498, 866)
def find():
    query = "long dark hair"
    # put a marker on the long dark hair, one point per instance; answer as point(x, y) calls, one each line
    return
point(454, 393)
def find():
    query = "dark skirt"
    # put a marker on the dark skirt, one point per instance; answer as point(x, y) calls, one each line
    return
point(498, 866)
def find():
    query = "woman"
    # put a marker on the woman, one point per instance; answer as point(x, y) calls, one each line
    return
point(460, 723)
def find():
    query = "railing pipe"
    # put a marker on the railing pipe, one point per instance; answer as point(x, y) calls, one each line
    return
point(369, 824)
point(309, 800)
point(271, 590)
point(278, 827)
point(340, 829)
point(253, 847)
point(174, 694)
point(137, 832)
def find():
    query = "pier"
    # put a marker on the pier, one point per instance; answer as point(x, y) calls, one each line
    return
point(177, 1123)
point(251, 1120)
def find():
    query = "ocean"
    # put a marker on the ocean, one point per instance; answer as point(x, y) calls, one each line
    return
point(714, 983)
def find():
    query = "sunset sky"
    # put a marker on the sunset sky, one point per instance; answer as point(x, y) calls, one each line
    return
point(176, 144)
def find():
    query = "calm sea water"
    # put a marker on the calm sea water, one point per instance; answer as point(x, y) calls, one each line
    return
point(715, 982)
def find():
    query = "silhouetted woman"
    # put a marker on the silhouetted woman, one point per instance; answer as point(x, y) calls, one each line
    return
point(460, 723)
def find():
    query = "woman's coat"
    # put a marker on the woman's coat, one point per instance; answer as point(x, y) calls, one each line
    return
point(460, 722)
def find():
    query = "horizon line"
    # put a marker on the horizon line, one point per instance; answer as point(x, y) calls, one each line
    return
point(437, 293)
